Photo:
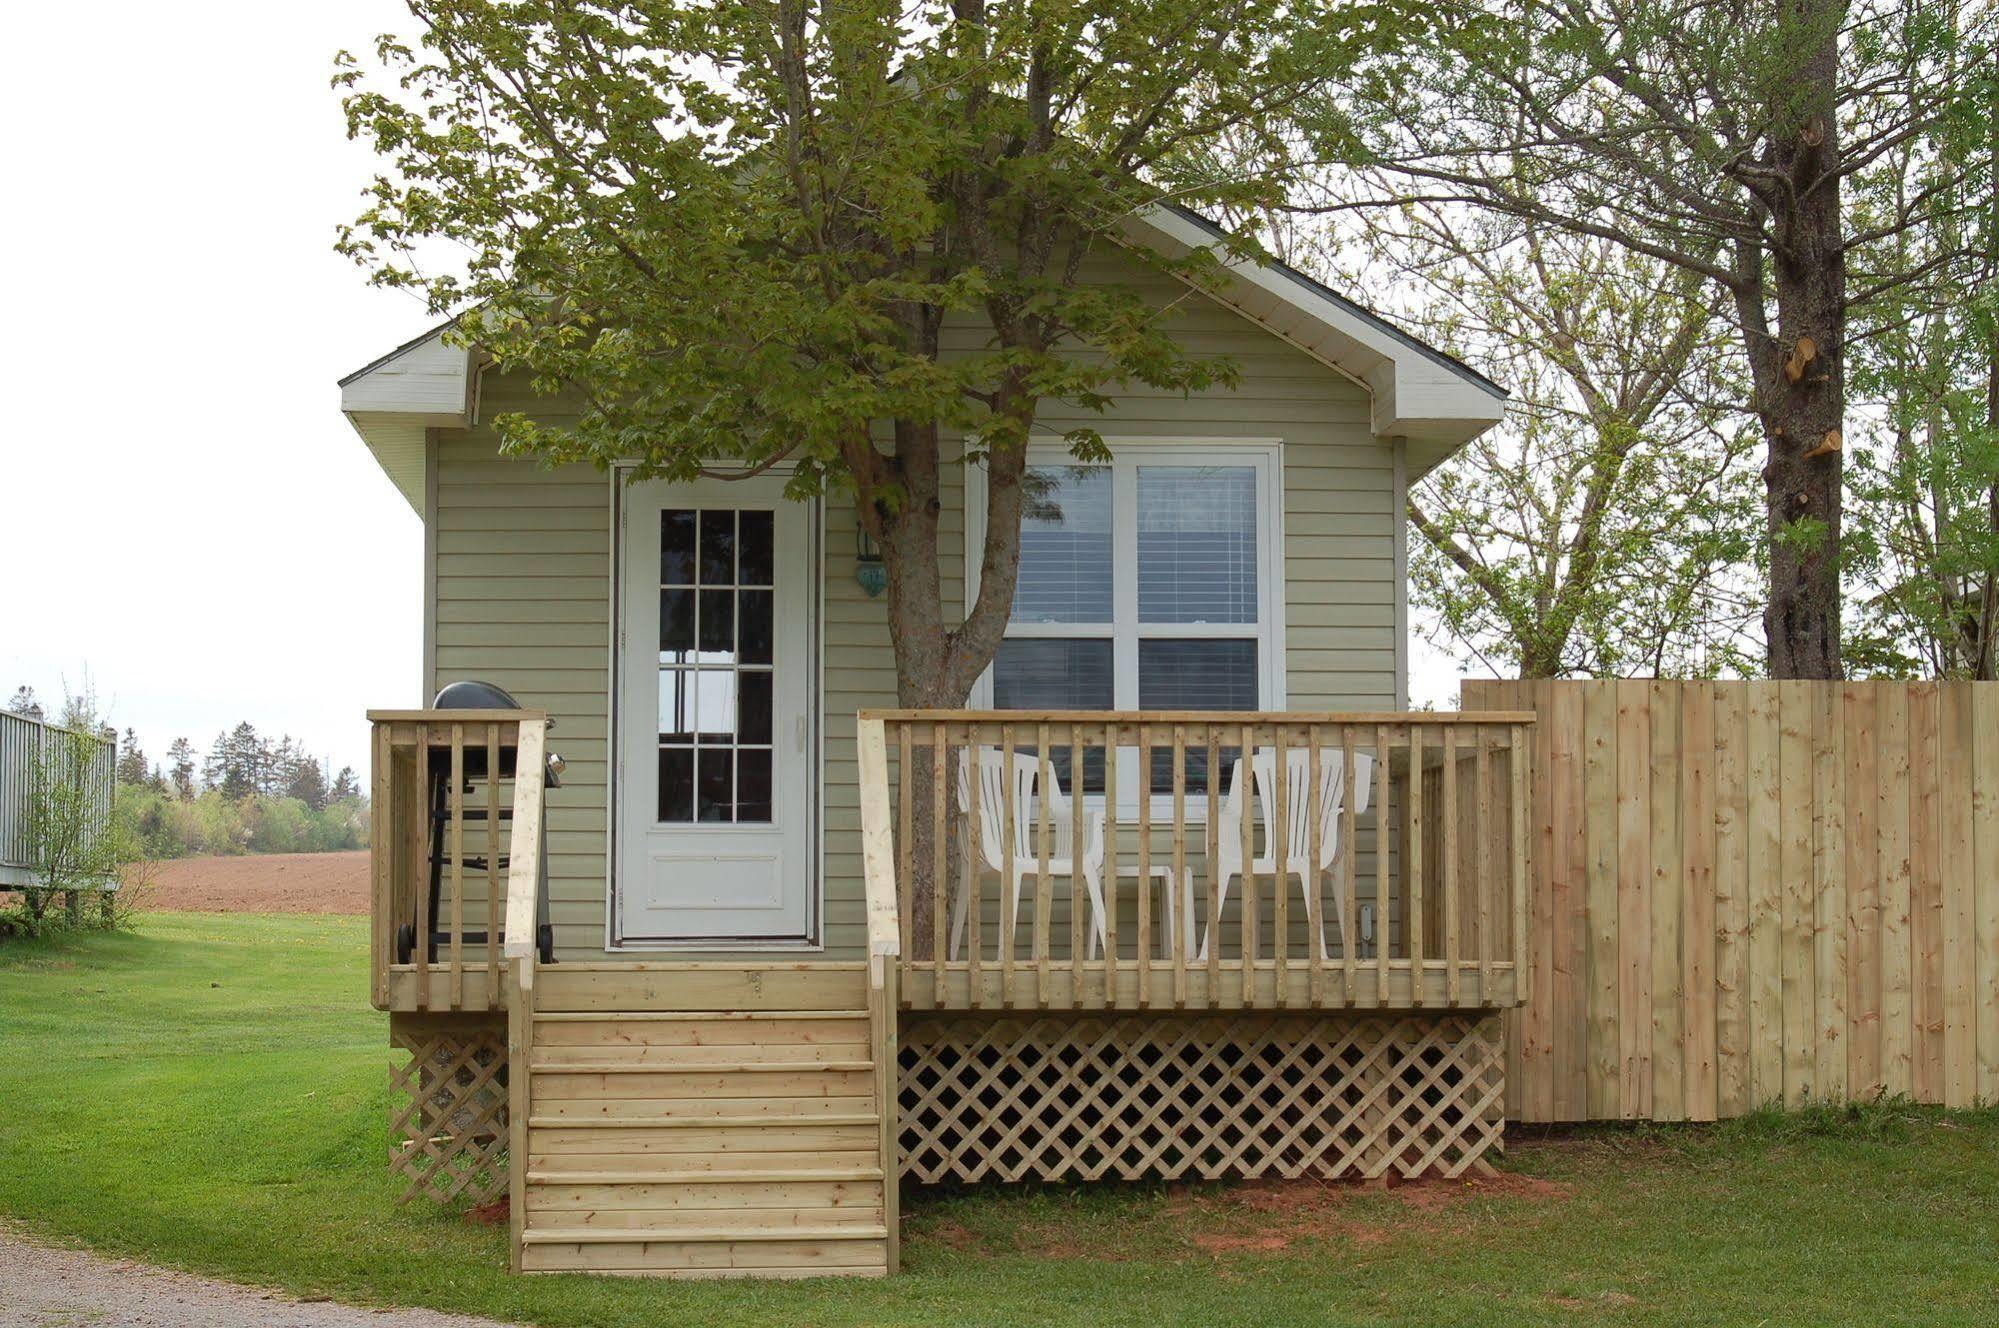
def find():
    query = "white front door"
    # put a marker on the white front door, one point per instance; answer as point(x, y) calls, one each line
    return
point(716, 783)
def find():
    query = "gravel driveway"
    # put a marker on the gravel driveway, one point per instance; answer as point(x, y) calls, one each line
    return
point(42, 1287)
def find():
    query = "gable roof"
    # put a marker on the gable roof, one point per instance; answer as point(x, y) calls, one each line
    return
point(1433, 401)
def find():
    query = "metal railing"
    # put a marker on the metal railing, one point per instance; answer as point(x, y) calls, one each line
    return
point(34, 752)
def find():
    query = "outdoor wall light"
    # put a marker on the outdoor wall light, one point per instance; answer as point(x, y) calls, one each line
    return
point(870, 573)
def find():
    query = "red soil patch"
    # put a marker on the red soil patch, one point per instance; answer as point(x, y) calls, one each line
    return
point(260, 883)
point(1268, 1217)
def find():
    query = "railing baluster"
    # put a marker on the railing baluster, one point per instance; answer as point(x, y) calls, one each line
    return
point(1347, 848)
point(457, 866)
point(1111, 741)
point(419, 829)
point(1044, 885)
point(905, 794)
point(1309, 870)
point(1246, 741)
point(1383, 849)
point(970, 863)
point(493, 865)
point(1144, 865)
point(1278, 835)
point(1418, 988)
point(1009, 935)
point(1214, 834)
point(1170, 897)
point(1447, 859)
point(382, 862)
point(1516, 764)
point(1482, 869)
point(1077, 921)
point(939, 863)
point(973, 870)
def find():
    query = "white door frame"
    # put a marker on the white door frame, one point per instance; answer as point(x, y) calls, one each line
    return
point(812, 938)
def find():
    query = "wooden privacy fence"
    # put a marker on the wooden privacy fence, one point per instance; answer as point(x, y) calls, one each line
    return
point(1751, 892)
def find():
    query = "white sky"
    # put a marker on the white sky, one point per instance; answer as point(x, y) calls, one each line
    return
point(185, 517)
point(187, 523)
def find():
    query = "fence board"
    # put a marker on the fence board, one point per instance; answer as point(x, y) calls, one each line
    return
point(1757, 892)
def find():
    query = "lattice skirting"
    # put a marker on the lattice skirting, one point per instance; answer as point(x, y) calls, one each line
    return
point(1166, 1096)
point(448, 1128)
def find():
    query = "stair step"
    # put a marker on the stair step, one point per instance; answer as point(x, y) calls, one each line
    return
point(695, 1122)
point(695, 1235)
point(540, 1066)
point(688, 1016)
point(545, 1176)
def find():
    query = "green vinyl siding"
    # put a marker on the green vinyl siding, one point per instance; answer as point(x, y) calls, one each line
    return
point(523, 569)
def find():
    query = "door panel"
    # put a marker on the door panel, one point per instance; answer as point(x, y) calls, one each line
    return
point(716, 788)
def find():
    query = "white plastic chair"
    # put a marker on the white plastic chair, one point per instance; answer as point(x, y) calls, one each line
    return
point(1024, 770)
point(1298, 831)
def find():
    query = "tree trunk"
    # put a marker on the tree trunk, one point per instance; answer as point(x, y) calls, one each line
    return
point(1799, 376)
point(936, 659)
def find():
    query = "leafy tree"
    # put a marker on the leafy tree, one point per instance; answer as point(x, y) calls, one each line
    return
point(181, 768)
point(23, 702)
point(739, 232)
point(238, 763)
point(346, 787)
point(1718, 139)
point(1926, 471)
point(1607, 526)
point(132, 767)
point(306, 782)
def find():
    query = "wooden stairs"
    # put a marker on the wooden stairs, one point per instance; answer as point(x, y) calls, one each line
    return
point(704, 1120)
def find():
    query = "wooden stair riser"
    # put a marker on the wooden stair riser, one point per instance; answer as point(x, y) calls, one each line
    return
point(669, 1258)
point(731, 1165)
point(653, 1110)
point(567, 1085)
point(701, 989)
point(711, 1205)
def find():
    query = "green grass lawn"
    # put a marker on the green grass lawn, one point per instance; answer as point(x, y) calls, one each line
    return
point(211, 1093)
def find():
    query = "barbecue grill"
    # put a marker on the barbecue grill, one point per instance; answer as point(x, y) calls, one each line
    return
point(470, 695)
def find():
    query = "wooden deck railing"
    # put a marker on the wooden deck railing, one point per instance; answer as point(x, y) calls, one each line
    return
point(1160, 886)
point(455, 853)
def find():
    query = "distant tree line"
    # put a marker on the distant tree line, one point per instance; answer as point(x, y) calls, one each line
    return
point(249, 794)
point(241, 763)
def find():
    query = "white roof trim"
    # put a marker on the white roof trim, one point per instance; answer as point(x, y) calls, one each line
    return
point(420, 385)
point(1419, 393)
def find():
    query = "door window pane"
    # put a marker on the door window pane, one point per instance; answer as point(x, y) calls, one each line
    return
point(753, 706)
point(676, 548)
point(759, 628)
point(1065, 547)
point(756, 547)
point(676, 624)
point(753, 784)
point(1197, 544)
point(715, 789)
point(717, 717)
point(718, 625)
point(676, 783)
point(718, 548)
point(676, 705)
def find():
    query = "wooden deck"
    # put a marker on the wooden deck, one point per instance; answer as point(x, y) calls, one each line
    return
point(1322, 1013)
point(1404, 895)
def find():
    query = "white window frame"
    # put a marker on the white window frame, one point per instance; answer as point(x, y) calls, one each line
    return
point(1266, 457)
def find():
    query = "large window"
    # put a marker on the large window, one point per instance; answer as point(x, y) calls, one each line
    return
point(1145, 584)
